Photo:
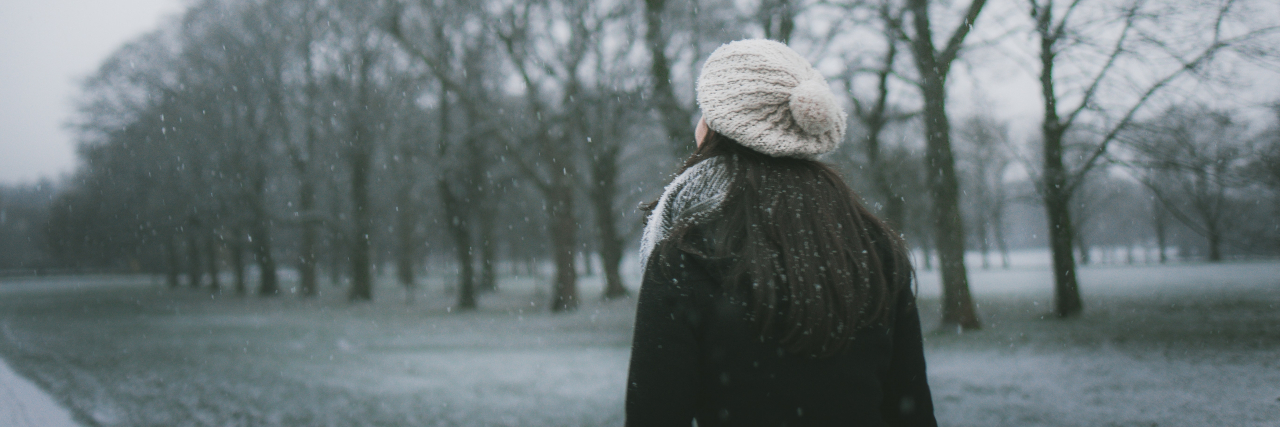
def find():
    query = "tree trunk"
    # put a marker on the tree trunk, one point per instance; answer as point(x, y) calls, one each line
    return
point(211, 258)
point(260, 234)
point(1159, 221)
point(488, 259)
point(268, 284)
point(1056, 189)
point(302, 166)
point(612, 259)
point(604, 192)
point(466, 269)
point(195, 274)
point(406, 227)
point(484, 219)
point(1066, 290)
point(957, 304)
point(488, 253)
point(358, 158)
point(307, 243)
point(461, 231)
point(173, 262)
point(260, 240)
point(998, 228)
point(235, 250)
point(361, 276)
point(337, 237)
point(933, 66)
point(984, 245)
point(564, 295)
point(1215, 241)
point(405, 262)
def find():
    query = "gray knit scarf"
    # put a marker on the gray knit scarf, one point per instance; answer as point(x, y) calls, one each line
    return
point(692, 197)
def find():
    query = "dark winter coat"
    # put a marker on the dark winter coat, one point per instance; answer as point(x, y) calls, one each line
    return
point(695, 355)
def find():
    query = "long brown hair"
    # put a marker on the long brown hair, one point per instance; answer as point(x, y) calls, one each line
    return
point(812, 265)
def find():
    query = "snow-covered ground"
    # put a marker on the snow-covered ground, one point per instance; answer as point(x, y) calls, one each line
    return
point(1176, 345)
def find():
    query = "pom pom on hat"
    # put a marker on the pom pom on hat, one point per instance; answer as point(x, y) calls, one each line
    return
point(814, 108)
point(770, 99)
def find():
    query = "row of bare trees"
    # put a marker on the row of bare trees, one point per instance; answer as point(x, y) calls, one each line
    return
point(207, 140)
point(341, 136)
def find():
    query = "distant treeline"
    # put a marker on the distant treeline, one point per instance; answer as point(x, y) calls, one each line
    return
point(329, 137)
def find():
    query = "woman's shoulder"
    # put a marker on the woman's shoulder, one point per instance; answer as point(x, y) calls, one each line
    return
point(689, 267)
point(687, 260)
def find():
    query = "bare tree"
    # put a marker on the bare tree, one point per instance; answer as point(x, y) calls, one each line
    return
point(358, 153)
point(304, 155)
point(251, 134)
point(609, 110)
point(1092, 206)
point(227, 99)
point(933, 66)
point(1193, 160)
point(454, 44)
point(986, 156)
point(677, 120)
point(555, 133)
point(130, 171)
point(875, 116)
point(405, 165)
point(1058, 31)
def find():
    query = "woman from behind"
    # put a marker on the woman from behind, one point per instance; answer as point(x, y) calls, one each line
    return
point(770, 295)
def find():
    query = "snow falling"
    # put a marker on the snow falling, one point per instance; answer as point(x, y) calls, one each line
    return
point(417, 213)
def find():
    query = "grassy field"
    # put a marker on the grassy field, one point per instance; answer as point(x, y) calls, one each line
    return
point(1179, 345)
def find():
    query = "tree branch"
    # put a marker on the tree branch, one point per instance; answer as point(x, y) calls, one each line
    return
point(1130, 16)
point(1124, 122)
point(957, 37)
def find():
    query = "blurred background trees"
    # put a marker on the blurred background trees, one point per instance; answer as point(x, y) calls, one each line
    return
point(1101, 64)
point(1194, 160)
point(271, 146)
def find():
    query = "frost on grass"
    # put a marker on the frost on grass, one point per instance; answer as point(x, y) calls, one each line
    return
point(1187, 345)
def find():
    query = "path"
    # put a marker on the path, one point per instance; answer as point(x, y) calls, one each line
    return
point(23, 404)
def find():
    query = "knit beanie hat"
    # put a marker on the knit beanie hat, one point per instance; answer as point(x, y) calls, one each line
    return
point(770, 99)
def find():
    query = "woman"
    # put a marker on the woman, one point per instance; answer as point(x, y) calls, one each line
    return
point(770, 296)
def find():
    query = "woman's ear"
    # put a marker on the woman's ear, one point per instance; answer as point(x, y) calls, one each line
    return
point(700, 133)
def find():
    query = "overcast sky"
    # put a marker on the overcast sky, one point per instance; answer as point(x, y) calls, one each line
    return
point(47, 47)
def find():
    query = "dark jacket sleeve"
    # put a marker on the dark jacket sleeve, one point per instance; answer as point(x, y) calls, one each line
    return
point(662, 383)
point(907, 401)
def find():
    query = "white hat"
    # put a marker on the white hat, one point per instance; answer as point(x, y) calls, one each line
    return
point(770, 99)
